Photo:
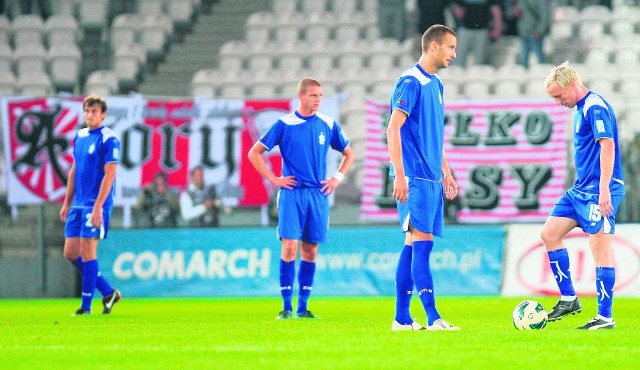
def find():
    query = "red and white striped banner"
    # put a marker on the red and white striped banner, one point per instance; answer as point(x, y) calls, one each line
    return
point(509, 159)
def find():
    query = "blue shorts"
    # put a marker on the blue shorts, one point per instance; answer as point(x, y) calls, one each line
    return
point(79, 224)
point(583, 208)
point(424, 209)
point(303, 214)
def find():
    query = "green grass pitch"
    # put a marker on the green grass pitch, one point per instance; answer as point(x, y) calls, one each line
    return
point(353, 333)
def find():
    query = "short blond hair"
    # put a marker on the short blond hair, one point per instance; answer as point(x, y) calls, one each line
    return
point(562, 75)
point(306, 82)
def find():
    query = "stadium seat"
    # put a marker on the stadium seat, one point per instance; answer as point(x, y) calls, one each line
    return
point(622, 28)
point(382, 53)
point(260, 60)
point(597, 57)
point(258, 27)
point(561, 29)
point(287, 30)
point(320, 57)
point(181, 11)
point(507, 88)
point(590, 31)
point(64, 7)
point(289, 57)
point(346, 29)
point(474, 88)
point(534, 88)
point(318, 30)
point(127, 62)
point(6, 57)
point(124, 30)
point(232, 54)
point(288, 90)
point(205, 82)
point(626, 58)
point(27, 29)
point(313, 6)
point(65, 62)
point(61, 29)
point(101, 82)
point(93, 15)
point(232, 90)
point(630, 87)
point(599, 13)
point(516, 71)
point(150, 7)
point(263, 90)
point(284, 8)
point(344, 7)
point(154, 36)
point(5, 30)
point(565, 12)
point(34, 83)
point(381, 89)
point(452, 91)
point(30, 58)
point(349, 60)
point(8, 82)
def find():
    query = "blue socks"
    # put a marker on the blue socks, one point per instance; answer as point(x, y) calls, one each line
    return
point(404, 286)
point(102, 284)
point(89, 277)
point(559, 261)
point(305, 279)
point(605, 280)
point(422, 278)
point(287, 274)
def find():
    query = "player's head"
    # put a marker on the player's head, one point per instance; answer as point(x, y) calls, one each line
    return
point(563, 84)
point(310, 95)
point(94, 109)
point(440, 42)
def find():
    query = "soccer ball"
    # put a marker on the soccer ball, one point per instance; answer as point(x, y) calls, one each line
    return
point(529, 315)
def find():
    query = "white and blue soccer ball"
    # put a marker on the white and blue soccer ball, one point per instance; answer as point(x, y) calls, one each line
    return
point(529, 315)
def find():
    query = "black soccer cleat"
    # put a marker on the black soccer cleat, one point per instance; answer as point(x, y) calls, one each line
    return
point(109, 301)
point(597, 324)
point(284, 315)
point(81, 311)
point(306, 315)
point(564, 308)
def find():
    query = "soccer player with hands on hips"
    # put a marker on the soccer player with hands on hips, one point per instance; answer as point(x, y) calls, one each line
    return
point(88, 201)
point(422, 177)
point(304, 137)
point(593, 200)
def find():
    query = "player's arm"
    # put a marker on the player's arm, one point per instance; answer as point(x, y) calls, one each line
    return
point(105, 189)
point(496, 29)
point(394, 144)
point(348, 157)
point(258, 162)
point(68, 195)
point(448, 182)
point(607, 157)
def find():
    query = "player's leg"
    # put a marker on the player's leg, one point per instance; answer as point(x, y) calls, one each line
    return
point(601, 248)
point(306, 273)
point(315, 231)
point(88, 248)
point(289, 231)
point(561, 221)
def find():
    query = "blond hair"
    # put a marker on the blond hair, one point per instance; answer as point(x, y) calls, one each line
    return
point(562, 75)
point(94, 100)
point(306, 82)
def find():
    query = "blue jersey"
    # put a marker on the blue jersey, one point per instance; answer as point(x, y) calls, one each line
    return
point(304, 143)
point(91, 151)
point(419, 95)
point(594, 119)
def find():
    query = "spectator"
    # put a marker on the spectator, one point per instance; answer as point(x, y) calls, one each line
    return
point(475, 17)
point(44, 5)
point(199, 204)
point(510, 15)
point(392, 18)
point(430, 12)
point(159, 203)
point(533, 26)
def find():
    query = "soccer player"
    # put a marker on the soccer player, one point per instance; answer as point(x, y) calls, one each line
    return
point(304, 137)
point(88, 202)
point(422, 177)
point(593, 200)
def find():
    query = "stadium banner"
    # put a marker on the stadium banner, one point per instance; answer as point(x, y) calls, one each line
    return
point(509, 158)
point(357, 261)
point(527, 270)
point(171, 136)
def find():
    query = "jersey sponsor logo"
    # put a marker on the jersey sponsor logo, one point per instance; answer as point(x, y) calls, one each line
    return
point(322, 139)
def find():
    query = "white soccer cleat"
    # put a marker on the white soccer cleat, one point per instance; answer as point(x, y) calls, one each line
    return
point(441, 324)
point(413, 326)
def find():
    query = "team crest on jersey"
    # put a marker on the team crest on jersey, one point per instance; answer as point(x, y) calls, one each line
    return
point(92, 148)
point(321, 139)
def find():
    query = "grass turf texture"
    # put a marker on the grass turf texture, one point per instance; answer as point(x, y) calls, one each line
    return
point(353, 333)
